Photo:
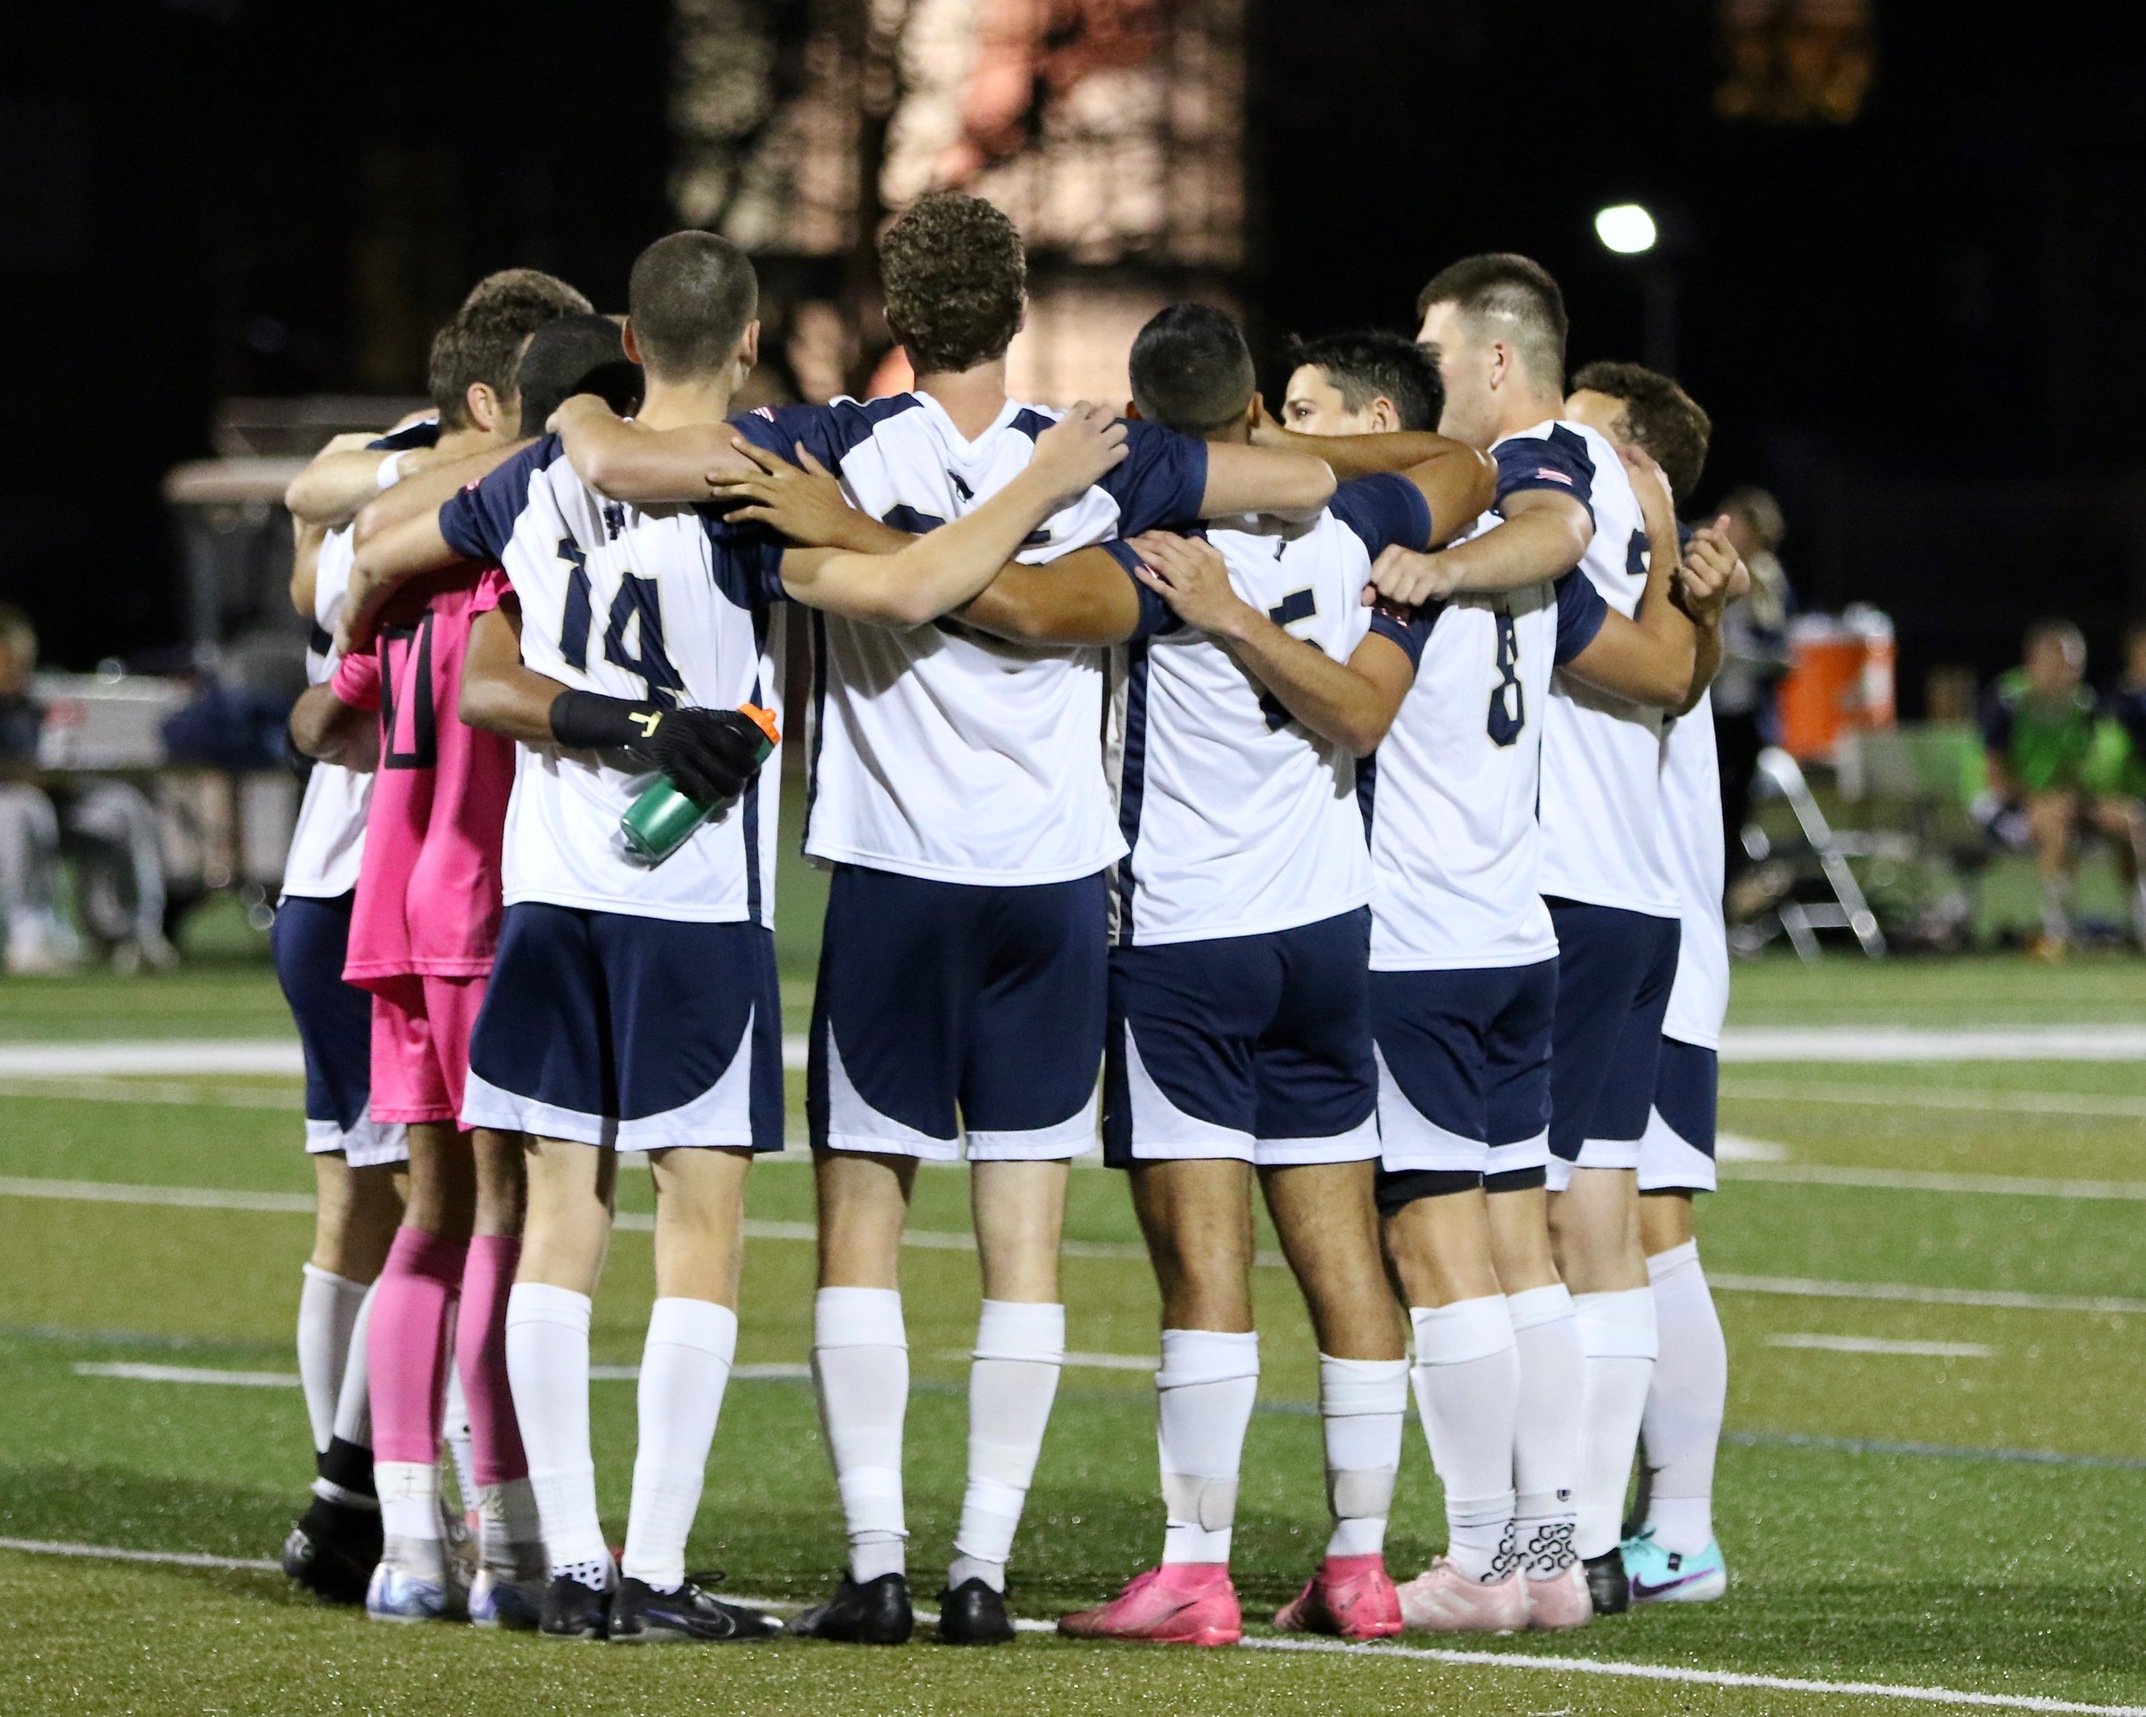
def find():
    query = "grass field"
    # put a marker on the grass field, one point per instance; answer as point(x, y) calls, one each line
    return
point(1960, 1520)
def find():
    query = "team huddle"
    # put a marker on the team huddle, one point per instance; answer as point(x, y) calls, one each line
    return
point(1326, 800)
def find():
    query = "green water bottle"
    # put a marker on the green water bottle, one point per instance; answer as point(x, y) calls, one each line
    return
point(662, 819)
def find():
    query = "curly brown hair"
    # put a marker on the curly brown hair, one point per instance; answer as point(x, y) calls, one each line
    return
point(956, 279)
point(482, 342)
point(1664, 420)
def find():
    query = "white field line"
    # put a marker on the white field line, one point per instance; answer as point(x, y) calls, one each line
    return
point(1919, 1180)
point(2093, 1105)
point(944, 1240)
point(181, 1055)
point(189, 1374)
point(1412, 1654)
point(1902, 1044)
point(1881, 1344)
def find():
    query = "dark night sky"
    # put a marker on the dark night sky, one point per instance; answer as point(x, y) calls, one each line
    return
point(1922, 328)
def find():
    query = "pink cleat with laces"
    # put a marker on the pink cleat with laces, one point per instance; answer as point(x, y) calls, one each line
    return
point(1350, 1596)
point(1180, 1603)
point(1560, 1602)
point(1443, 1600)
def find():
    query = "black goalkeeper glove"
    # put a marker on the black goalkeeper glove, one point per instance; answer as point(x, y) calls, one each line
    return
point(707, 754)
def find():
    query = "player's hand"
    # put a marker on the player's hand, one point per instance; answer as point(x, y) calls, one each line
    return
point(1650, 486)
point(1190, 574)
point(1710, 576)
point(360, 618)
point(803, 501)
point(576, 407)
point(1076, 450)
point(1411, 579)
point(707, 754)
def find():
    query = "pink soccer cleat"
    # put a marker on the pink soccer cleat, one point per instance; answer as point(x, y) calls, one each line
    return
point(1559, 1602)
point(1350, 1596)
point(1180, 1603)
point(1443, 1600)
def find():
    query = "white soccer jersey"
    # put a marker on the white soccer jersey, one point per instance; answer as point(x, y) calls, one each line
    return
point(1601, 756)
point(939, 752)
point(1239, 820)
point(1692, 845)
point(664, 603)
point(329, 840)
point(1451, 801)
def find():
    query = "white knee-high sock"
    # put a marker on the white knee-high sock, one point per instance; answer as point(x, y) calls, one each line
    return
point(548, 1365)
point(1467, 1381)
point(1681, 1429)
point(327, 1312)
point(1204, 1394)
point(1013, 1378)
point(685, 1367)
point(1547, 1462)
point(1618, 1336)
point(860, 1364)
point(1361, 1405)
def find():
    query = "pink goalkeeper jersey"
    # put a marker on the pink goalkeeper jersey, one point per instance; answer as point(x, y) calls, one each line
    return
point(429, 889)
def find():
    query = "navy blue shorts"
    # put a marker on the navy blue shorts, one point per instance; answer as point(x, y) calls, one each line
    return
point(947, 1009)
point(309, 941)
point(1677, 1154)
point(636, 1033)
point(1464, 1075)
point(1256, 1048)
point(1614, 972)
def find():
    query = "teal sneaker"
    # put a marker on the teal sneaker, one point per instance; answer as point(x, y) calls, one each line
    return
point(1661, 1576)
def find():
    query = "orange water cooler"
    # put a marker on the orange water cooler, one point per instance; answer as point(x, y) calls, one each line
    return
point(1840, 680)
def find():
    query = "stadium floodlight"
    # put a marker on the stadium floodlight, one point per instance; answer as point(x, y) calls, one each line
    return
point(1625, 228)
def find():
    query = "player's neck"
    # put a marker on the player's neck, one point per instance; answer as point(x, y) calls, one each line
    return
point(459, 443)
point(673, 405)
point(973, 398)
point(1525, 411)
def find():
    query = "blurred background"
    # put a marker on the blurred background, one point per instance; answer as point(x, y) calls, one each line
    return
point(1895, 261)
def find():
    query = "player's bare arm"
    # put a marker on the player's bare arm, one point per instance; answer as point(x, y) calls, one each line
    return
point(337, 481)
point(391, 559)
point(1543, 535)
point(1710, 576)
point(427, 486)
point(1458, 481)
point(499, 692)
point(305, 564)
point(1352, 703)
point(329, 730)
point(1651, 657)
point(805, 502)
point(631, 462)
point(944, 569)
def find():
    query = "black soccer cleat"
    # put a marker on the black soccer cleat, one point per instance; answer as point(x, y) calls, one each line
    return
point(333, 1549)
point(877, 1612)
point(1607, 1583)
point(641, 1615)
point(573, 1610)
point(973, 1614)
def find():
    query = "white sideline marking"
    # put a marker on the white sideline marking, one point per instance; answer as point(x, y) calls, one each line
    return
point(1414, 1654)
point(1084, 1361)
point(113, 1553)
point(1919, 1180)
point(1902, 1043)
point(188, 1374)
point(1736, 1148)
point(1883, 1344)
point(1908, 1293)
point(184, 1197)
point(190, 1055)
point(1937, 1097)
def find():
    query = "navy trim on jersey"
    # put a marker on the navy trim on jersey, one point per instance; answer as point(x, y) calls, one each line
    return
point(818, 642)
point(1132, 782)
point(1558, 462)
point(1156, 616)
point(1384, 509)
point(320, 640)
point(1030, 423)
point(1367, 786)
point(1162, 480)
point(746, 560)
point(1581, 614)
point(828, 432)
point(479, 522)
point(425, 432)
point(1410, 628)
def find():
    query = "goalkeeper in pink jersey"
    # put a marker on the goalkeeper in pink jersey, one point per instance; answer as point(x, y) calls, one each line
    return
point(423, 932)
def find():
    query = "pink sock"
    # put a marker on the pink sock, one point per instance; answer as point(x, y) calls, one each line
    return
point(481, 1357)
point(406, 1346)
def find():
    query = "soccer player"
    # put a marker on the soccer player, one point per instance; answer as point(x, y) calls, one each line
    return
point(959, 793)
point(422, 936)
point(1673, 1556)
point(1463, 986)
point(637, 1007)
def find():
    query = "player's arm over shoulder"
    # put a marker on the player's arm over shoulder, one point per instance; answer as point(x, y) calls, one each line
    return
point(628, 461)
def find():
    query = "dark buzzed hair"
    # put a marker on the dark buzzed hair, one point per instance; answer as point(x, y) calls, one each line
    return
point(1373, 364)
point(482, 341)
point(1662, 418)
point(956, 279)
point(1191, 370)
point(576, 354)
point(690, 299)
point(1520, 295)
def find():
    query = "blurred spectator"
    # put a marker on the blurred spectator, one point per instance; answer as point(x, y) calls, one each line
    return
point(1754, 656)
point(2039, 739)
point(107, 827)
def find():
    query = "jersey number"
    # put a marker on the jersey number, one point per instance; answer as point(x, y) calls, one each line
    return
point(1297, 605)
point(637, 607)
point(1508, 700)
point(411, 646)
